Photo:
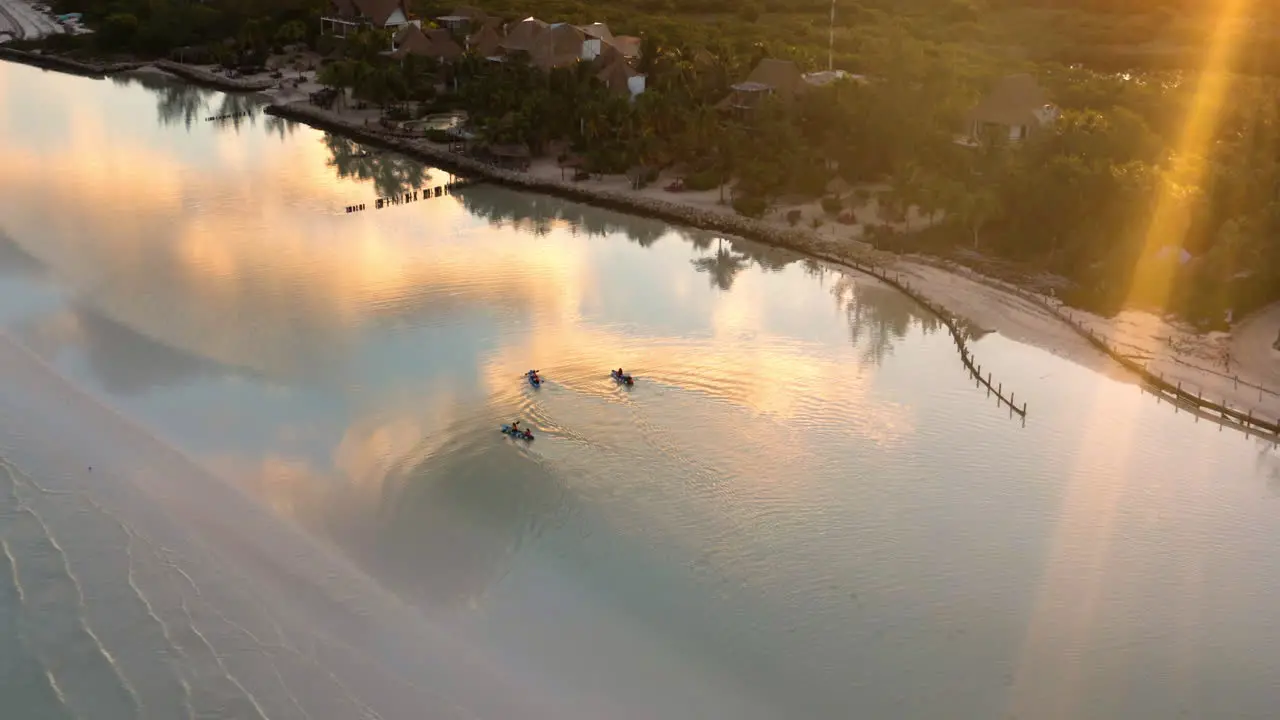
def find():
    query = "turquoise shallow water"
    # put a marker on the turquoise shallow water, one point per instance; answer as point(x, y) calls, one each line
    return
point(251, 465)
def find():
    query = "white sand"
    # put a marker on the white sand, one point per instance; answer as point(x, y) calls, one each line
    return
point(20, 21)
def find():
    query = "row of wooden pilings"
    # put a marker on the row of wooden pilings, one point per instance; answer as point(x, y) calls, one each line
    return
point(1175, 393)
point(1155, 382)
point(962, 344)
point(228, 116)
point(415, 195)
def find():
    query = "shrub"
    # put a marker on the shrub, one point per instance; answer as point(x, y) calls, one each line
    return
point(398, 113)
point(704, 180)
point(439, 136)
point(793, 217)
point(749, 11)
point(750, 206)
point(832, 205)
point(117, 31)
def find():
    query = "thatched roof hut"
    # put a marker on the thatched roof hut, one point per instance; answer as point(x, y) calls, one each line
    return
point(524, 35)
point(487, 41)
point(1016, 100)
point(432, 43)
point(617, 76)
point(771, 77)
point(780, 76)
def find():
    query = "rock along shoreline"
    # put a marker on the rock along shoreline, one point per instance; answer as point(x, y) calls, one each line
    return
point(67, 65)
point(795, 239)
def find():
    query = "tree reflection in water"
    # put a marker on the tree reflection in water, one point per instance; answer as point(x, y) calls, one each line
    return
point(181, 103)
point(878, 315)
point(539, 213)
point(767, 258)
point(723, 266)
point(392, 174)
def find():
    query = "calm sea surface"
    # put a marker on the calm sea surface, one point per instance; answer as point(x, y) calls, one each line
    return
point(250, 464)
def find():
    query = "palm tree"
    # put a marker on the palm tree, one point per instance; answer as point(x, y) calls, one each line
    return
point(339, 76)
point(291, 33)
point(391, 174)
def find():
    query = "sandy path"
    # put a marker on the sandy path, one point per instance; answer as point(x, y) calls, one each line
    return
point(21, 21)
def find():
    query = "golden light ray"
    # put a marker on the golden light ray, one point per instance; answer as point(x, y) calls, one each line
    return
point(1050, 670)
point(1171, 215)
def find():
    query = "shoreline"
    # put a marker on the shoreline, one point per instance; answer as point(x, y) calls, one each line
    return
point(942, 286)
point(58, 63)
point(1257, 420)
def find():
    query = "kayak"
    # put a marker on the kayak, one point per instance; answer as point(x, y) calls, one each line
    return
point(624, 379)
point(534, 380)
point(521, 434)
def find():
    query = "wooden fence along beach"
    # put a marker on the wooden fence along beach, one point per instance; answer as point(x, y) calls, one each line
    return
point(409, 196)
point(1153, 381)
point(962, 342)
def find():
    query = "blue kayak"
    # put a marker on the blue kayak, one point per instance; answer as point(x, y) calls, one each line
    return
point(520, 434)
point(533, 378)
point(624, 379)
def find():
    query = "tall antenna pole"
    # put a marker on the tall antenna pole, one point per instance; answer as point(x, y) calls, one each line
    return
point(831, 36)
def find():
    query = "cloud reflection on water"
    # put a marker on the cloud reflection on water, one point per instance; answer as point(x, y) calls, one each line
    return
point(233, 269)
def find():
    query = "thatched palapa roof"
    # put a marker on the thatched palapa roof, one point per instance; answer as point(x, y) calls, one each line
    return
point(616, 75)
point(597, 30)
point(1015, 100)
point(378, 11)
point(434, 43)
point(486, 41)
point(628, 45)
point(780, 76)
point(524, 35)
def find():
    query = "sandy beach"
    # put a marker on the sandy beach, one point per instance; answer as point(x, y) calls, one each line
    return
point(1240, 369)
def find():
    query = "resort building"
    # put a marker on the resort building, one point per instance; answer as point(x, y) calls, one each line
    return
point(1016, 108)
point(775, 78)
point(433, 43)
point(347, 16)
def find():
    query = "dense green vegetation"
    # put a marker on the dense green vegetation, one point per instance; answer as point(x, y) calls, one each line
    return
point(234, 31)
point(1094, 198)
